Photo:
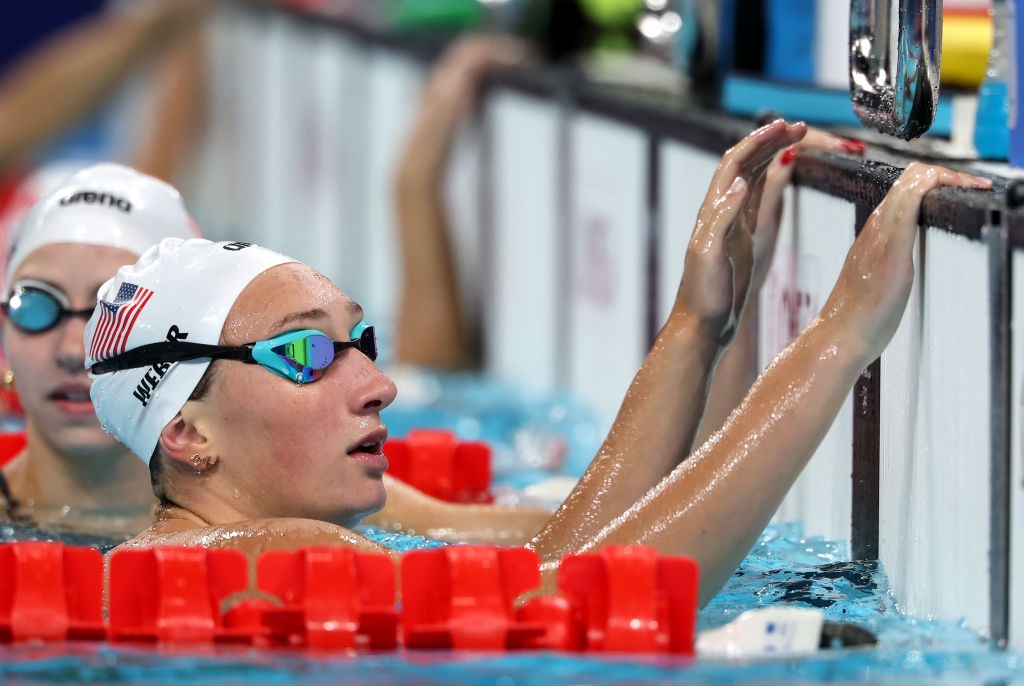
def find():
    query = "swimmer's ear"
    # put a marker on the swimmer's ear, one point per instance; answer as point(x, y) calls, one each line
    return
point(181, 439)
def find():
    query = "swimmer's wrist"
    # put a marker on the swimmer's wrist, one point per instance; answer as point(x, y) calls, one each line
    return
point(693, 332)
point(836, 339)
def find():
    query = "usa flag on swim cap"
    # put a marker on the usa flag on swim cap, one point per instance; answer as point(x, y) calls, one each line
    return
point(117, 319)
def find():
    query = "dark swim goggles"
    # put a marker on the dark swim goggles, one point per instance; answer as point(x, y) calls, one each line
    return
point(302, 356)
point(35, 306)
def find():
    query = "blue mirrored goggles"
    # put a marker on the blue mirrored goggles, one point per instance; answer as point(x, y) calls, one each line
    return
point(302, 356)
point(36, 307)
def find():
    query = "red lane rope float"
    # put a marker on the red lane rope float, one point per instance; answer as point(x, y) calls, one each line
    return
point(332, 598)
point(621, 598)
point(50, 592)
point(175, 594)
point(632, 599)
point(461, 597)
point(440, 465)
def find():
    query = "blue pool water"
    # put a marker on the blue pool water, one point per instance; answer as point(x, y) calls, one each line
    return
point(536, 437)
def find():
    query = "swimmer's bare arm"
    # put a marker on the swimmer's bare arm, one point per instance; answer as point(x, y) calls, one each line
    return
point(179, 115)
point(412, 511)
point(70, 74)
point(714, 505)
point(429, 331)
point(738, 366)
point(658, 420)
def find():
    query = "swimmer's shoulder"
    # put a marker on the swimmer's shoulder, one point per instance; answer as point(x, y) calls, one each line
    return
point(176, 527)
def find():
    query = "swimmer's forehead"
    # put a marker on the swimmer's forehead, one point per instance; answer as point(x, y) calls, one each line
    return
point(48, 263)
point(289, 296)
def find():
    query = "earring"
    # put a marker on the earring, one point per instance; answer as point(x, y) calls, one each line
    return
point(9, 380)
point(201, 463)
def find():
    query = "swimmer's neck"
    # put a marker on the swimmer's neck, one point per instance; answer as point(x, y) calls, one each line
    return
point(46, 476)
point(165, 512)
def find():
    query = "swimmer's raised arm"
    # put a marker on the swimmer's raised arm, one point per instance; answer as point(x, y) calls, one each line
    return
point(658, 420)
point(714, 505)
point(738, 366)
point(70, 74)
point(429, 330)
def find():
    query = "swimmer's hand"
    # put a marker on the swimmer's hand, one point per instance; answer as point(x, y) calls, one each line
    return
point(778, 178)
point(719, 260)
point(873, 287)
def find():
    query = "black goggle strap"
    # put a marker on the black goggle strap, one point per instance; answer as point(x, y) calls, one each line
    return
point(171, 351)
point(180, 351)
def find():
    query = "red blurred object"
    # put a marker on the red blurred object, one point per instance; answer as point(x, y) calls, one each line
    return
point(50, 592)
point(9, 185)
point(11, 443)
point(333, 598)
point(10, 403)
point(461, 597)
point(563, 628)
point(633, 600)
point(437, 463)
point(175, 594)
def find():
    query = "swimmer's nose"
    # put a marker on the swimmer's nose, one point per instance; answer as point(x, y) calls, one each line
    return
point(373, 390)
point(71, 344)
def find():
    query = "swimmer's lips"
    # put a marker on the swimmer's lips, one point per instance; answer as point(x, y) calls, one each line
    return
point(72, 399)
point(370, 452)
point(78, 393)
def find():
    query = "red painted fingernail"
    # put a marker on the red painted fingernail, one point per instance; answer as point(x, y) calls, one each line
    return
point(788, 155)
point(854, 147)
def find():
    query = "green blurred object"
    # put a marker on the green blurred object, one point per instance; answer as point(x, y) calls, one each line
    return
point(612, 13)
point(455, 15)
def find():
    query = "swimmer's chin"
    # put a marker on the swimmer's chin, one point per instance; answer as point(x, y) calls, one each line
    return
point(350, 519)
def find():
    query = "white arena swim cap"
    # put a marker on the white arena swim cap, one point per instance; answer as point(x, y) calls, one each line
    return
point(178, 290)
point(104, 204)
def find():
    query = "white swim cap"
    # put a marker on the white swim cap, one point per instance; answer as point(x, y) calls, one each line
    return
point(40, 182)
point(104, 204)
point(178, 290)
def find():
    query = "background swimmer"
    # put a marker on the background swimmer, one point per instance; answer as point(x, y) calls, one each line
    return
point(66, 247)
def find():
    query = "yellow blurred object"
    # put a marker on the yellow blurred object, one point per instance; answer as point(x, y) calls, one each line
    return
point(966, 41)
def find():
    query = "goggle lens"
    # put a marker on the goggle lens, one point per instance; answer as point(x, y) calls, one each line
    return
point(366, 340)
point(308, 357)
point(33, 310)
point(38, 308)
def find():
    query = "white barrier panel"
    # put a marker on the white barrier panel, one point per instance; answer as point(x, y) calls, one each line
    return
point(245, 102)
point(263, 212)
point(816, 233)
point(394, 88)
point(1016, 576)
point(935, 463)
point(320, 188)
point(210, 184)
point(685, 176)
point(607, 341)
point(524, 334)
